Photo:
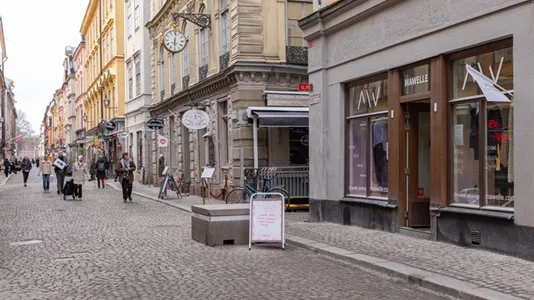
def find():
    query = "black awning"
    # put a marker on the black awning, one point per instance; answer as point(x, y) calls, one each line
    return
point(282, 118)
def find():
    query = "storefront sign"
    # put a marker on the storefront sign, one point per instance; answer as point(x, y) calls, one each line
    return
point(315, 98)
point(162, 141)
point(416, 80)
point(267, 218)
point(305, 87)
point(155, 123)
point(195, 119)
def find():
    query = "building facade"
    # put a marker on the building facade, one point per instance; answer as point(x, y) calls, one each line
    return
point(138, 86)
point(103, 29)
point(435, 116)
point(231, 63)
point(3, 58)
point(80, 119)
point(69, 95)
point(10, 118)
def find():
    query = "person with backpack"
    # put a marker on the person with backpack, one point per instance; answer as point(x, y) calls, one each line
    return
point(45, 170)
point(26, 167)
point(7, 166)
point(101, 167)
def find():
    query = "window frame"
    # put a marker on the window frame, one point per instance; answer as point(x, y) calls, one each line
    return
point(303, 14)
point(367, 117)
point(186, 57)
point(129, 19)
point(137, 63)
point(130, 81)
point(136, 15)
point(161, 69)
point(482, 130)
point(224, 27)
point(203, 41)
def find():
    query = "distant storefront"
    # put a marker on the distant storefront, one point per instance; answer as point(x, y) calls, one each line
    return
point(422, 128)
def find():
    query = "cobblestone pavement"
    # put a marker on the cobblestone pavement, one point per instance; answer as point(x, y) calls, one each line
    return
point(491, 270)
point(102, 248)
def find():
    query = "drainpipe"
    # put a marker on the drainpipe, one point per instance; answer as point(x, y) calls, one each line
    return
point(3, 108)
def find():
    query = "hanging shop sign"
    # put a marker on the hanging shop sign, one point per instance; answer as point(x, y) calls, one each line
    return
point(162, 141)
point(195, 119)
point(155, 123)
point(110, 125)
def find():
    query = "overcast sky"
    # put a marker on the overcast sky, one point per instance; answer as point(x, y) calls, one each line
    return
point(36, 33)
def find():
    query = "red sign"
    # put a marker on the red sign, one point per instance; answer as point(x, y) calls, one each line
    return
point(310, 44)
point(421, 192)
point(305, 87)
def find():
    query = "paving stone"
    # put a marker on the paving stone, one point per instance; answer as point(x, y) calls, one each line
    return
point(102, 248)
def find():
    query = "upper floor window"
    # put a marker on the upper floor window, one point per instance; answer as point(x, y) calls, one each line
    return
point(130, 81)
point(129, 19)
point(185, 53)
point(173, 70)
point(203, 45)
point(138, 75)
point(297, 10)
point(225, 27)
point(162, 69)
point(111, 37)
point(136, 14)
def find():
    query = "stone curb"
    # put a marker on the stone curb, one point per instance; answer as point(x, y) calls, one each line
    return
point(432, 281)
point(166, 202)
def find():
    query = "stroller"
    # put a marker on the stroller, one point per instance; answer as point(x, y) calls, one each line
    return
point(69, 189)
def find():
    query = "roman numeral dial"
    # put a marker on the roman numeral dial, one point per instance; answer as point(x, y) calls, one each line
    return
point(174, 41)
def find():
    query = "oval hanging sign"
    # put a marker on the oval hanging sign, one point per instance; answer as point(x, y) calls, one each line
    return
point(195, 119)
point(155, 123)
point(110, 125)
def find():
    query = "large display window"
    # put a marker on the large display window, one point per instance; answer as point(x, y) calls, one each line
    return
point(482, 133)
point(367, 139)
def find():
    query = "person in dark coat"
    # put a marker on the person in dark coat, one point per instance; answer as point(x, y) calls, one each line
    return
point(126, 168)
point(60, 174)
point(101, 167)
point(26, 168)
point(7, 166)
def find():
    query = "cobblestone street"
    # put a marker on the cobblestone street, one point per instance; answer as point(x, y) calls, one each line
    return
point(102, 248)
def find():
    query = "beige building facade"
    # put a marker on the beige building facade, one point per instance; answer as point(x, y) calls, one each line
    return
point(243, 57)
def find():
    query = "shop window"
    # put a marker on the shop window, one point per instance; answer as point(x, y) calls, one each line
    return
point(298, 146)
point(368, 140)
point(482, 135)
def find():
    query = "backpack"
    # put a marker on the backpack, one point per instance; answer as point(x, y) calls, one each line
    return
point(101, 166)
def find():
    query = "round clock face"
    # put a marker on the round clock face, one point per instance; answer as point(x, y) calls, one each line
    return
point(174, 41)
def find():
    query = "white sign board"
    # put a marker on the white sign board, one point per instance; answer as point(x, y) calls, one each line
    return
point(208, 172)
point(162, 141)
point(267, 219)
point(315, 98)
point(60, 164)
point(195, 119)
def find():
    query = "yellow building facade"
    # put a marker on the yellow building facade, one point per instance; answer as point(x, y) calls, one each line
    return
point(103, 29)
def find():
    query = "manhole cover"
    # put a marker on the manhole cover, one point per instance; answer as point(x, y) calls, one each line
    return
point(25, 242)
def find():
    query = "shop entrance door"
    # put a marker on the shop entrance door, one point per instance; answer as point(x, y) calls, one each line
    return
point(417, 135)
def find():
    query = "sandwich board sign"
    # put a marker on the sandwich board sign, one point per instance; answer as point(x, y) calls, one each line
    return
point(267, 219)
point(60, 164)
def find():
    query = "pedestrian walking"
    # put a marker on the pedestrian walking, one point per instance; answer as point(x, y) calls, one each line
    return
point(79, 173)
point(37, 162)
point(12, 167)
point(60, 174)
point(45, 170)
point(126, 168)
point(92, 169)
point(101, 167)
point(26, 167)
point(7, 166)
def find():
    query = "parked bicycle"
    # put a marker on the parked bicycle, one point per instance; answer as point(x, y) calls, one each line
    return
point(243, 194)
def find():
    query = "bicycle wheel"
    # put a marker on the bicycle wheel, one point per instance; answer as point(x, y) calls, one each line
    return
point(284, 193)
point(237, 195)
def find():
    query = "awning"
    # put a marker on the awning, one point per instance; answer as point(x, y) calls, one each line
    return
point(279, 116)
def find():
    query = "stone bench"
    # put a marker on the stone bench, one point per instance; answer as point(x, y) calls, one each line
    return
point(220, 224)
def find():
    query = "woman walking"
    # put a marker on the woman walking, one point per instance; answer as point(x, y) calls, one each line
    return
point(46, 170)
point(126, 168)
point(92, 169)
point(101, 167)
point(79, 173)
point(26, 167)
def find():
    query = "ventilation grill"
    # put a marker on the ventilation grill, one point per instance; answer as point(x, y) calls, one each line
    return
point(475, 237)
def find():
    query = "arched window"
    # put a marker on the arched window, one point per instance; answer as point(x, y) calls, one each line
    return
point(162, 71)
point(185, 54)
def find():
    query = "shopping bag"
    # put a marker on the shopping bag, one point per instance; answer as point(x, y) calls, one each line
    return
point(52, 177)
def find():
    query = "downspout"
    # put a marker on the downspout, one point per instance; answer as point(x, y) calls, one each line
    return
point(3, 99)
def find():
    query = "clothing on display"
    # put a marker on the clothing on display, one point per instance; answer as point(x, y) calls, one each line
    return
point(379, 138)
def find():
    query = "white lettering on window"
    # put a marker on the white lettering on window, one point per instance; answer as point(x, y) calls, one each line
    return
point(366, 97)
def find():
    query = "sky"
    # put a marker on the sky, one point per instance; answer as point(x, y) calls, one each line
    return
point(36, 33)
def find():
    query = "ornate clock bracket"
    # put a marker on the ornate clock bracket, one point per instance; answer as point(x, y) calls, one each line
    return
point(202, 20)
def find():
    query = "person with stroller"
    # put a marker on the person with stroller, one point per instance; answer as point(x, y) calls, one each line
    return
point(60, 174)
point(26, 167)
point(79, 173)
point(45, 169)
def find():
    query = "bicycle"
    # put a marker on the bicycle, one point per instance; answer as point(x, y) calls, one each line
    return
point(243, 194)
point(175, 187)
